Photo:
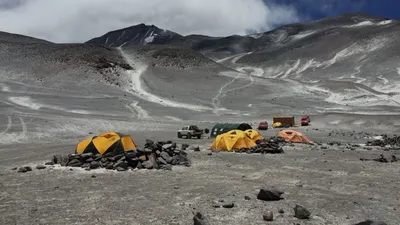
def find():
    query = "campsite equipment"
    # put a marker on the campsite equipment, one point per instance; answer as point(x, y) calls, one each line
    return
point(254, 135)
point(294, 136)
point(110, 142)
point(221, 128)
point(232, 140)
point(286, 121)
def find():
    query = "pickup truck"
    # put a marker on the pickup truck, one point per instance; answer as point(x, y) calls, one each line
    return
point(190, 131)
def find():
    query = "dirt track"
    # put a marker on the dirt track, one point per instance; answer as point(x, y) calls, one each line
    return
point(333, 184)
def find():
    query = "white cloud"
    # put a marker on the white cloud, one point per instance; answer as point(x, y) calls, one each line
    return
point(81, 20)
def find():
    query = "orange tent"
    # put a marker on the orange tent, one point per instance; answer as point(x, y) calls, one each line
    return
point(294, 136)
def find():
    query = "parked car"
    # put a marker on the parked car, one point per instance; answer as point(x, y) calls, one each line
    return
point(190, 131)
point(263, 125)
point(305, 120)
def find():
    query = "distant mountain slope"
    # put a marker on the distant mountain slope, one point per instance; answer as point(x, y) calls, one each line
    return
point(11, 37)
point(26, 58)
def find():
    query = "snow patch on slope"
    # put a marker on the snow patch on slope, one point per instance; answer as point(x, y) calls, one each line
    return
point(302, 35)
point(27, 102)
point(139, 90)
point(369, 23)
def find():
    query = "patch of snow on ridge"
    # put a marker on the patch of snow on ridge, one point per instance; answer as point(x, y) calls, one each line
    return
point(369, 23)
point(302, 35)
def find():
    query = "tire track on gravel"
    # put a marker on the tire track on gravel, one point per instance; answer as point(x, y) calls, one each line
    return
point(216, 102)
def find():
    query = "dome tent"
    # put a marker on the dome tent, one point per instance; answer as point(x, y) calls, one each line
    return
point(232, 140)
point(110, 142)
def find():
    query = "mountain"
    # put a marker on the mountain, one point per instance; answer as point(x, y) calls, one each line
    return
point(350, 58)
point(343, 70)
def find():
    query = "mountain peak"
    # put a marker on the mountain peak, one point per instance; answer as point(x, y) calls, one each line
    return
point(140, 34)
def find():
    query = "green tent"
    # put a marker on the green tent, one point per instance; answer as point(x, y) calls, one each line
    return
point(221, 128)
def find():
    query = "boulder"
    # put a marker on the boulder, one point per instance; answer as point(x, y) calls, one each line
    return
point(199, 219)
point(269, 195)
point(301, 212)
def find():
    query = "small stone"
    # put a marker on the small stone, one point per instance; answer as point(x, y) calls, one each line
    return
point(301, 213)
point(142, 158)
point(22, 170)
point(216, 204)
point(85, 156)
point(93, 176)
point(161, 161)
point(94, 165)
point(228, 205)
point(167, 146)
point(148, 150)
point(49, 163)
point(121, 169)
point(197, 149)
point(176, 187)
point(88, 169)
point(268, 216)
point(166, 167)
point(121, 164)
point(166, 156)
point(89, 160)
point(281, 211)
point(147, 164)
point(210, 153)
point(247, 197)
point(75, 163)
point(14, 168)
point(40, 167)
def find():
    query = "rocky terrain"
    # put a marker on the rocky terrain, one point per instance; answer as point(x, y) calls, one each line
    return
point(149, 82)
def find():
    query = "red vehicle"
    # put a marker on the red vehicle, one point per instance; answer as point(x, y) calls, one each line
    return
point(305, 120)
point(263, 125)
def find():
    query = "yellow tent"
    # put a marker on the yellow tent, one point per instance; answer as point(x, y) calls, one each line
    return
point(254, 135)
point(110, 142)
point(232, 140)
point(277, 124)
point(294, 136)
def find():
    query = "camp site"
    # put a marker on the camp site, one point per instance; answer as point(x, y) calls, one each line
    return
point(181, 112)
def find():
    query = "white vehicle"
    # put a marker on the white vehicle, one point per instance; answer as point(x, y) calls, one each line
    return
point(190, 131)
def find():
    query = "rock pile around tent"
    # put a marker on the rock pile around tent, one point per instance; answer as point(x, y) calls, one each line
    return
point(155, 155)
point(249, 141)
point(265, 146)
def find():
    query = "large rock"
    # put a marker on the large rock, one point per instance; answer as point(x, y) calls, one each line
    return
point(75, 163)
point(269, 195)
point(94, 165)
point(147, 164)
point(301, 212)
point(199, 219)
point(121, 164)
point(166, 156)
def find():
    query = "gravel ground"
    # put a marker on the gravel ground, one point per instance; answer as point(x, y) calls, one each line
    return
point(332, 183)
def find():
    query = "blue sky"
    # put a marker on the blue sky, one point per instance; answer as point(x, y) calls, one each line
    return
point(317, 9)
